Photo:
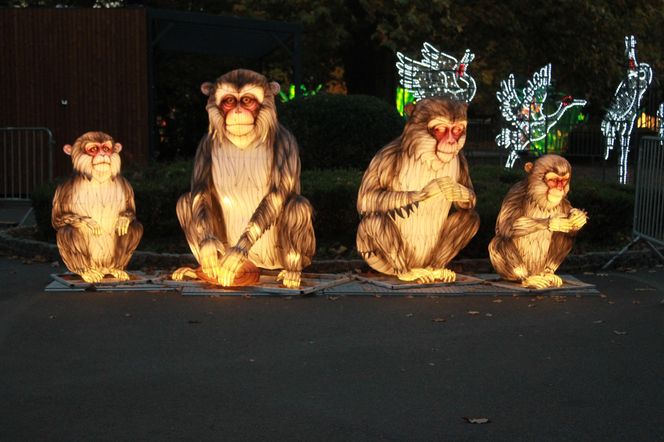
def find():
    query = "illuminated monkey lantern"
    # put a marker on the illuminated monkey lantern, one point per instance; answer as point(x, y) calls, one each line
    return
point(245, 208)
point(536, 225)
point(416, 199)
point(94, 213)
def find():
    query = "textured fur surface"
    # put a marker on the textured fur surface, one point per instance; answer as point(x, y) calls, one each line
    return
point(402, 228)
point(88, 213)
point(245, 200)
point(525, 244)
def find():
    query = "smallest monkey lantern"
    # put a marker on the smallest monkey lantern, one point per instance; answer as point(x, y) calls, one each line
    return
point(94, 212)
point(536, 226)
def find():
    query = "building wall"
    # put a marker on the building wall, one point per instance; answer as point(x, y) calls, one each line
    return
point(75, 70)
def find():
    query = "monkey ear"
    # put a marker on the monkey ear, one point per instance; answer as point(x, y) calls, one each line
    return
point(528, 167)
point(408, 109)
point(117, 147)
point(67, 149)
point(274, 87)
point(207, 88)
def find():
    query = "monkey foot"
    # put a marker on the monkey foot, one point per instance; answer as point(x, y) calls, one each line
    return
point(119, 274)
point(91, 276)
point(183, 272)
point(444, 275)
point(290, 278)
point(536, 282)
point(553, 279)
point(421, 276)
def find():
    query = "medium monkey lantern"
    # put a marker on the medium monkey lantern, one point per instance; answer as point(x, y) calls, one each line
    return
point(536, 226)
point(416, 199)
point(245, 210)
point(94, 212)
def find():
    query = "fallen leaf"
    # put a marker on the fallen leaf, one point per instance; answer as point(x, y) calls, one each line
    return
point(636, 302)
point(618, 332)
point(332, 298)
point(409, 296)
point(127, 315)
point(52, 317)
point(477, 420)
point(488, 315)
point(611, 302)
point(599, 321)
point(473, 312)
point(497, 301)
point(531, 305)
point(603, 296)
point(438, 320)
point(55, 264)
point(588, 273)
point(288, 298)
point(409, 315)
point(602, 274)
point(644, 289)
point(431, 364)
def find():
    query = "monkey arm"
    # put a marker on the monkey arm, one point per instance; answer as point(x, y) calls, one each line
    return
point(468, 198)
point(375, 196)
point(511, 222)
point(285, 180)
point(61, 214)
point(202, 193)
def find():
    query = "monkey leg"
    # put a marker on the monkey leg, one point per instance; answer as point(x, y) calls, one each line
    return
point(381, 245)
point(560, 246)
point(459, 228)
point(74, 250)
point(184, 210)
point(295, 238)
point(507, 260)
point(124, 248)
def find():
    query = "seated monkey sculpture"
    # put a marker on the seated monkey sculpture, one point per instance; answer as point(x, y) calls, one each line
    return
point(536, 225)
point(94, 212)
point(416, 200)
point(245, 206)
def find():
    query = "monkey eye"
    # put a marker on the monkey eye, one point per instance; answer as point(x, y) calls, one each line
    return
point(106, 148)
point(457, 131)
point(229, 101)
point(248, 100)
point(92, 149)
point(439, 131)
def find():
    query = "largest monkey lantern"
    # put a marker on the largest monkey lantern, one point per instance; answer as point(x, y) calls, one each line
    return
point(244, 206)
point(416, 199)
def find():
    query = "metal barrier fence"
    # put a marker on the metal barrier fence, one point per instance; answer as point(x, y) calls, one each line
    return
point(648, 223)
point(26, 155)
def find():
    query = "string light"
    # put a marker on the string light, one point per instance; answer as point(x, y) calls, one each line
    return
point(621, 115)
point(523, 111)
point(437, 75)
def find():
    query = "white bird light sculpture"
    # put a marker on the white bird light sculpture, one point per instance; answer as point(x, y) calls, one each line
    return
point(437, 75)
point(622, 113)
point(524, 112)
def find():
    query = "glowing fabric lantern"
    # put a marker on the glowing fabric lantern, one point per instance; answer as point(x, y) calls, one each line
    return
point(536, 226)
point(94, 213)
point(622, 113)
point(523, 111)
point(416, 199)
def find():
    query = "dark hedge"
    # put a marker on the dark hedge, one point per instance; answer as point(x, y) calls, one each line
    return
point(333, 194)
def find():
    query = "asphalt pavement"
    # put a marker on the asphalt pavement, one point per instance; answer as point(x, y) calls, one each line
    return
point(158, 366)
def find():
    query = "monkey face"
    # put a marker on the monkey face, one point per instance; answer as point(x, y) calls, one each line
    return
point(558, 185)
point(450, 137)
point(548, 180)
point(240, 109)
point(95, 155)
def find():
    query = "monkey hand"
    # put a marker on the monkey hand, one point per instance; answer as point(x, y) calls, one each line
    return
point(578, 218)
point(563, 225)
point(453, 191)
point(209, 262)
point(122, 225)
point(230, 264)
point(290, 278)
point(92, 225)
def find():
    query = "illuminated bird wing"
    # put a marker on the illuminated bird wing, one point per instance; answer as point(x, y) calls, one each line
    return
point(511, 105)
point(437, 74)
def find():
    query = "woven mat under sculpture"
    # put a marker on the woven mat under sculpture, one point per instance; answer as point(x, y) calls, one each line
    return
point(139, 281)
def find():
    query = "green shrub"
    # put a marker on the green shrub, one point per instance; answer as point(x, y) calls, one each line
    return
point(340, 131)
